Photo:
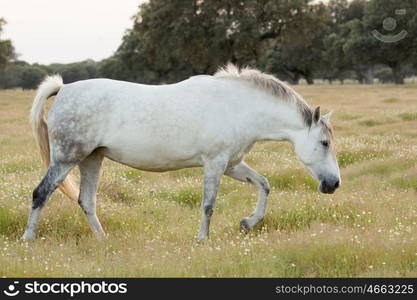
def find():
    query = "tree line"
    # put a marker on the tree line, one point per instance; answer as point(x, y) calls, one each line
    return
point(300, 39)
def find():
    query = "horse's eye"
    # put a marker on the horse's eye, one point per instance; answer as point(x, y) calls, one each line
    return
point(325, 144)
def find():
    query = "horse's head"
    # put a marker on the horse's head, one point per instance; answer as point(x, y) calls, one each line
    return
point(314, 147)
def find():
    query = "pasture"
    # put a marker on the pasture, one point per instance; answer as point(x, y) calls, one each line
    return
point(367, 228)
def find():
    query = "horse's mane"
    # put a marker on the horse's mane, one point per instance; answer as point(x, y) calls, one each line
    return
point(270, 84)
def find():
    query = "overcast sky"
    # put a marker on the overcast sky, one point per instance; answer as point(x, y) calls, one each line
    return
point(47, 31)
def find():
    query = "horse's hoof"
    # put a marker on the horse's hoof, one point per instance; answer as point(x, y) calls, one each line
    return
point(101, 237)
point(25, 239)
point(201, 239)
point(244, 226)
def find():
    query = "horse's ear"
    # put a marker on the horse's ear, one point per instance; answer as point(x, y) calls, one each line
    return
point(316, 114)
point(327, 116)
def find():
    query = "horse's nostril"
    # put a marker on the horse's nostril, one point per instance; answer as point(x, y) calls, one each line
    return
point(336, 185)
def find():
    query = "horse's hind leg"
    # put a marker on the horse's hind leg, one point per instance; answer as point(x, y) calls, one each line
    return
point(54, 176)
point(90, 173)
point(243, 172)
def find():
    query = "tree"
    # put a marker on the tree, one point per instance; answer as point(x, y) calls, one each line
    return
point(336, 62)
point(176, 39)
point(114, 68)
point(358, 46)
point(75, 71)
point(299, 56)
point(11, 75)
point(6, 48)
point(293, 63)
point(381, 16)
point(32, 77)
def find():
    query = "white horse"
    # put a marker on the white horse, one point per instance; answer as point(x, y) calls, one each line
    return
point(204, 121)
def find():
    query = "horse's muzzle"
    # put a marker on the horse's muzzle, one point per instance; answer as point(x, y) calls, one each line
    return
point(329, 186)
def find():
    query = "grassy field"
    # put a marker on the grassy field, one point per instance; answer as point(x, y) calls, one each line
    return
point(367, 228)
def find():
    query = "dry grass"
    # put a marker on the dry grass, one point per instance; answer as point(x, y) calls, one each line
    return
point(368, 228)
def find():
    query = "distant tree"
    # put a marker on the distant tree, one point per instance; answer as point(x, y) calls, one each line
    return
point(6, 48)
point(114, 68)
point(11, 75)
point(357, 49)
point(336, 63)
point(368, 50)
point(131, 60)
point(92, 68)
point(293, 63)
point(300, 56)
point(32, 77)
point(75, 71)
point(176, 39)
point(384, 75)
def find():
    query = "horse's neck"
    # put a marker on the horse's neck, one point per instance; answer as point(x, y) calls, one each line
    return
point(278, 122)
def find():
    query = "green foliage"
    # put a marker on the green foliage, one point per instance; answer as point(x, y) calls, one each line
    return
point(75, 71)
point(293, 62)
point(384, 75)
point(174, 40)
point(6, 48)
point(26, 76)
point(11, 76)
point(368, 50)
point(32, 77)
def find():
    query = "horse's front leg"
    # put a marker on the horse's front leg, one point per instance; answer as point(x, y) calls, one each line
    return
point(213, 171)
point(243, 172)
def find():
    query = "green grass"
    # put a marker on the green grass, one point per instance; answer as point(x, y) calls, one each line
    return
point(188, 196)
point(17, 167)
point(406, 182)
point(409, 116)
point(385, 168)
point(347, 117)
point(346, 158)
point(119, 192)
point(391, 100)
point(303, 216)
point(293, 180)
point(372, 123)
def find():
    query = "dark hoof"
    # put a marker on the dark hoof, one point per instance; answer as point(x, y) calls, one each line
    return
point(244, 226)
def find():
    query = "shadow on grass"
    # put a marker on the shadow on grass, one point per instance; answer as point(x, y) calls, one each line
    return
point(119, 193)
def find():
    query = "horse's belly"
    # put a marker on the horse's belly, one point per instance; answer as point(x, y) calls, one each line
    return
point(150, 158)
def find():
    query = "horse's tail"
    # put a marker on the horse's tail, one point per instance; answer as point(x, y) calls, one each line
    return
point(49, 87)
